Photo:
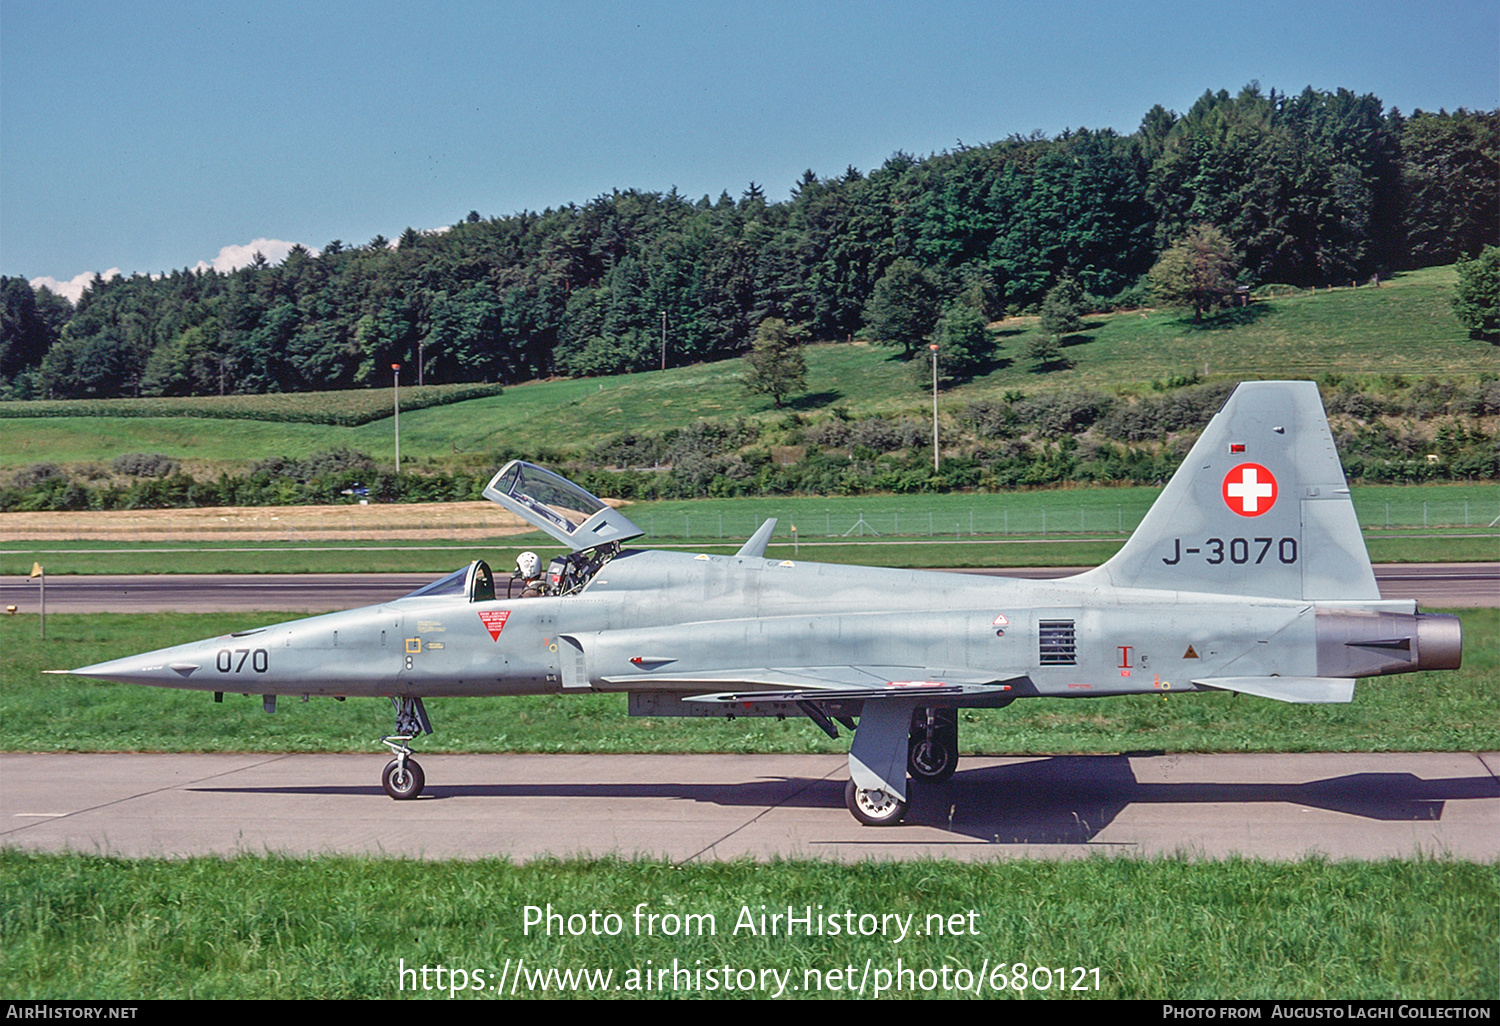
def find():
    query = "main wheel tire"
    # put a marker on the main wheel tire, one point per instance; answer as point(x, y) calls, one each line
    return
point(403, 785)
point(932, 761)
point(874, 808)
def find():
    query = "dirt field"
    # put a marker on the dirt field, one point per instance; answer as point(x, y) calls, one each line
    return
point(380, 522)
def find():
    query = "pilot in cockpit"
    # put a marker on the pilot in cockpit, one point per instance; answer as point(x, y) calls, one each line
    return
point(529, 570)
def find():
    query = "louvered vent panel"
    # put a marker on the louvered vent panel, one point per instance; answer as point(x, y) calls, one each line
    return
point(1057, 643)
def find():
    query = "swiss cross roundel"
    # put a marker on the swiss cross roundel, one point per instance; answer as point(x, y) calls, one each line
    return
point(1249, 489)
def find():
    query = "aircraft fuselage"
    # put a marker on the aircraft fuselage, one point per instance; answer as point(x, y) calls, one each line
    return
point(653, 615)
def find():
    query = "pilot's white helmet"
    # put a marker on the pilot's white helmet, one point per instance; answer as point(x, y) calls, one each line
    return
point(530, 565)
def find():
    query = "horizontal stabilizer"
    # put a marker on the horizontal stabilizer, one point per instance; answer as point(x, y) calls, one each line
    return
point(1304, 690)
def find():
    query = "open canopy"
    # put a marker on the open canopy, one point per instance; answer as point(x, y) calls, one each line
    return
point(558, 506)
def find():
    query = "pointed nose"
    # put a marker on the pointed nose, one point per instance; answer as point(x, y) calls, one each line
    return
point(183, 666)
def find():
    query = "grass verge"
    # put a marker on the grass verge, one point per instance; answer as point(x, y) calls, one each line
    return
point(89, 927)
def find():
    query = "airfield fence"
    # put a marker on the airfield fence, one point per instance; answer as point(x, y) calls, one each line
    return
point(1078, 519)
point(1056, 515)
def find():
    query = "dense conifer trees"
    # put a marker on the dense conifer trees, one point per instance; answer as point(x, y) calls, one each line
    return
point(1309, 189)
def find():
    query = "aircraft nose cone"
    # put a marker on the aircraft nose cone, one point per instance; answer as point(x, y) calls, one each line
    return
point(163, 666)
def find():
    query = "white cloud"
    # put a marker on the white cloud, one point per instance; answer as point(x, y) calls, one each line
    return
point(73, 288)
point(232, 258)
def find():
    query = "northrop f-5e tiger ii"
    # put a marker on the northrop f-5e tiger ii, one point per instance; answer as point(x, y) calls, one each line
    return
point(1248, 574)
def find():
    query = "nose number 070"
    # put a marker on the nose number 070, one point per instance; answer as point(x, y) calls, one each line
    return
point(226, 661)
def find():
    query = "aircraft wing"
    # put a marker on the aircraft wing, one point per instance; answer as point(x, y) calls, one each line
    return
point(828, 683)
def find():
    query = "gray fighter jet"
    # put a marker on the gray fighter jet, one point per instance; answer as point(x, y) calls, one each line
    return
point(1248, 574)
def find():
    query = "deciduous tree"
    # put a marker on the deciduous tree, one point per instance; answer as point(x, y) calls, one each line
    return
point(775, 365)
point(963, 344)
point(1476, 298)
point(1197, 270)
point(1062, 309)
point(903, 307)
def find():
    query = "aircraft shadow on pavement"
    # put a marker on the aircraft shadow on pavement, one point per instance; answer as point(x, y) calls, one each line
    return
point(1052, 800)
point(1070, 799)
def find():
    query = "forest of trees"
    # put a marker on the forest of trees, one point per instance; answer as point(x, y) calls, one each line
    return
point(1309, 189)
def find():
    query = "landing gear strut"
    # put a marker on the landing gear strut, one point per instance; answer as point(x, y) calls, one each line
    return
point(403, 778)
point(877, 790)
point(932, 748)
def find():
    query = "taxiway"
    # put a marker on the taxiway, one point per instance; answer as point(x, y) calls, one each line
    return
point(1434, 585)
point(686, 808)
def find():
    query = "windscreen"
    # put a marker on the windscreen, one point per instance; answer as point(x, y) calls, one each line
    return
point(453, 584)
point(473, 581)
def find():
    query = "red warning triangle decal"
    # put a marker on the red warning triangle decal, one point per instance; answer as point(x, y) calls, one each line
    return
point(494, 622)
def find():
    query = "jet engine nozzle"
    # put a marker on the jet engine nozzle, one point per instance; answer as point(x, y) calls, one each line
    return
point(1440, 642)
point(1366, 643)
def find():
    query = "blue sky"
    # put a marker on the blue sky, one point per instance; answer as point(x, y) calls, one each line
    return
point(158, 135)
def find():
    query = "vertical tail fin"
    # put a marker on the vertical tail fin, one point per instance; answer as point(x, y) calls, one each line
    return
point(1260, 507)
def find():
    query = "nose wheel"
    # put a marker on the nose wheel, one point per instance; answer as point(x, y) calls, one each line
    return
point(403, 778)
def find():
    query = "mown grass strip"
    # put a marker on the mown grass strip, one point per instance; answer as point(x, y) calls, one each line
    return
point(439, 557)
point(262, 926)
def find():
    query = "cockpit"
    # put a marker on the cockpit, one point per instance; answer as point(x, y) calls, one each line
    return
point(590, 527)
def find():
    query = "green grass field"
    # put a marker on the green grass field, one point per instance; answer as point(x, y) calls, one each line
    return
point(437, 558)
point(1057, 527)
point(89, 927)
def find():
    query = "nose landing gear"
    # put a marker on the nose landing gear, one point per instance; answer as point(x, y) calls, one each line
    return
point(403, 778)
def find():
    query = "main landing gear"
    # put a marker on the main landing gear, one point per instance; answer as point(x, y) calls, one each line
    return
point(403, 778)
point(874, 806)
point(931, 758)
point(932, 750)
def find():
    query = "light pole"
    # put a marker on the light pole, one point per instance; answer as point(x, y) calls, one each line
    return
point(934, 349)
point(396, 400)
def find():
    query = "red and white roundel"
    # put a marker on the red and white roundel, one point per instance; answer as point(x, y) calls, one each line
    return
point(1249, 489)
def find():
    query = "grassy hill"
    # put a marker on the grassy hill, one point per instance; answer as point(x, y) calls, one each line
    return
point(1405, 327)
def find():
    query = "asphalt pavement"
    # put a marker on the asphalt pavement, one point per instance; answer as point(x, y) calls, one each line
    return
point(1434, 585)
